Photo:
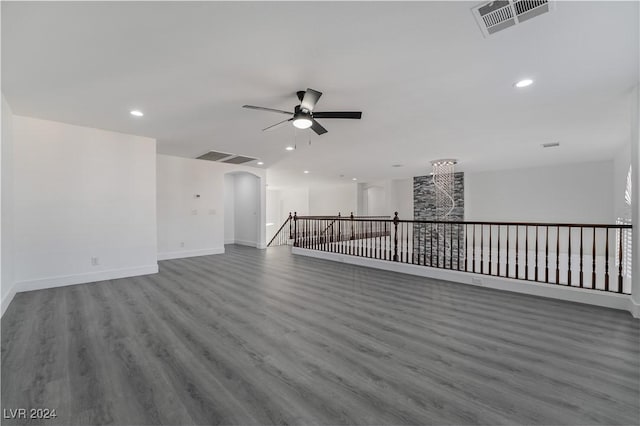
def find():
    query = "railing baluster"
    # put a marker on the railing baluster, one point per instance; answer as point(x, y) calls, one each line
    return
point(395, 237)
point(526, 252)
point(458, 245)
point(507, 270)
point(620, 262)
point(437, 245)
point(466, 247)
point(581, 284)
point(406, 230)
point(546, 255)
point(450, 246)
point(535, 271)
point(606, 261)
point(473, 244)
point(593, 258)
point(431, 244)
point(482, 249)
point(490, 249)
point(499, 232)
point(517, 257)
point(557, 255)
point(569, 259)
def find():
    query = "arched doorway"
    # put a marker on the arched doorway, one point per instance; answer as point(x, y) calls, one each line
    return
point(242, 209)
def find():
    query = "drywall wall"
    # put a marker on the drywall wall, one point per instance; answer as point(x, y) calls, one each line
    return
point(229, 209)
point(196, 226)
point(331, 200)
point(246, 209)
point(189, 208)
point(84, 204)
point(7, 289)
point(401, 198)
point(635, 198)
point(621, 163)
point(385, 197)
point(574, 193)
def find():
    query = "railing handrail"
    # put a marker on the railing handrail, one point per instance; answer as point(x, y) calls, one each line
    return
point(280, 229)
point(467, 222)
point(343, 217)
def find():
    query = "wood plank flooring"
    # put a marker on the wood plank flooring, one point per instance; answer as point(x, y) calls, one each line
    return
point(265, 337)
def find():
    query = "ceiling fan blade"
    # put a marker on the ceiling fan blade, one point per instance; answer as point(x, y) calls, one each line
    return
point(316, 127)
point(339, 114)
point(275, 126)
point(310, 99)
point(267, 109)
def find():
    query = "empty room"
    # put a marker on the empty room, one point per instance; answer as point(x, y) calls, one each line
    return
point(327, 213)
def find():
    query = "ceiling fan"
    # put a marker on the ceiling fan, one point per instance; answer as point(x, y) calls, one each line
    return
point(304, 117)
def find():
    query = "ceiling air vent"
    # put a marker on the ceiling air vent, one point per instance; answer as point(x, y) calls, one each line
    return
point(550, 144)
point(497, 15)
point(239, 160)
point(214, 156)
point(225, 157)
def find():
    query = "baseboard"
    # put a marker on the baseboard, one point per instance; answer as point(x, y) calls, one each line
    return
point(246, 243)
point(591, 297)
point(634, 308)
point(189, 253)
point(90, 277)
point(229, 241)
point(6, 300)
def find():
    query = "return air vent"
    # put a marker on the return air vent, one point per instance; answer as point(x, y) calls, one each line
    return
point(238, 160)
point(550, 144)
point(497, 15)
point(214, 156)
point(225, 157)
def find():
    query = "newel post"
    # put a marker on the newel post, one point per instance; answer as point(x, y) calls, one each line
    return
point(352, 236)
point(295, 229)
point(395, 237)
point(290, 225)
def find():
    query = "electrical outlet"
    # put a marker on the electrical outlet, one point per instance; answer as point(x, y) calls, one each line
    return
point(476, 281)
point(95, 261)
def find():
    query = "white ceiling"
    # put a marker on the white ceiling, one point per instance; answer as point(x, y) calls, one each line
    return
point(428, 83)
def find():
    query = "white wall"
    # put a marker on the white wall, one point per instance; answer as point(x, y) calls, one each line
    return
point(7, 289)
point(81, 193)
point(246, 209)
point(567, 193)
point(229, 209)
point(621, 163)
point(331, 200)
point(635, 199)
point(189, 225)
point(389, 196)
point(179, 180)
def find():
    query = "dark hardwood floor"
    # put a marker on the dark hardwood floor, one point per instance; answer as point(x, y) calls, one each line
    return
point(265, 337)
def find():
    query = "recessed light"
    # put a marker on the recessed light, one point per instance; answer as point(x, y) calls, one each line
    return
point(306, 172)
point(354, 179)
point(260, 163)
point(524, 83)
point(396, 165)
point(289, 148)
point(136, 113)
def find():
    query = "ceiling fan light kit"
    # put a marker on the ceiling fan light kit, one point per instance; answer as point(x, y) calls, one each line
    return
point(303, 116)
